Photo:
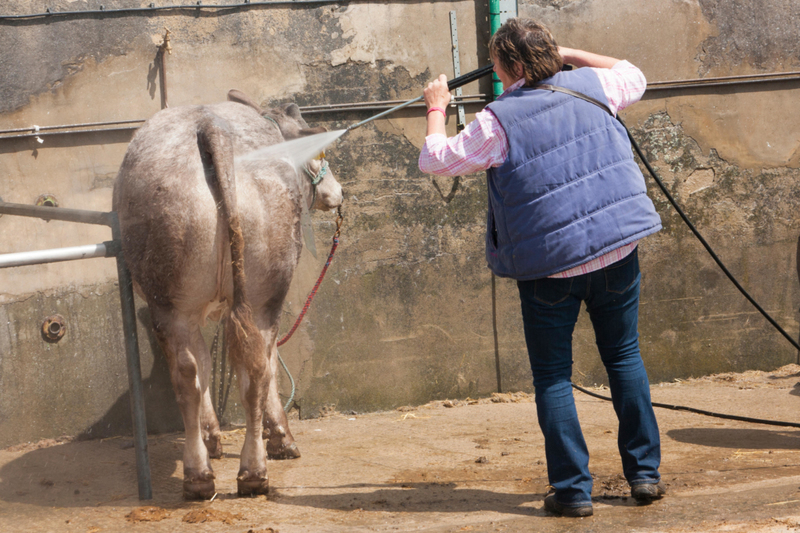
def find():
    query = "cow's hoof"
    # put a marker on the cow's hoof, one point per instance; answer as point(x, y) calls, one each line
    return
point(252, 487)
point(198, 490)
point(283, 452)
point(198, 485)
point(214, 446)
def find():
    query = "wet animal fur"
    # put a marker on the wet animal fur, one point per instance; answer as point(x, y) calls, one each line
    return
point(192, 223)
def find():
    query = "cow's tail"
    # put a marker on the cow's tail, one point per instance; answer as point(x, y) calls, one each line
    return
point(214, 140)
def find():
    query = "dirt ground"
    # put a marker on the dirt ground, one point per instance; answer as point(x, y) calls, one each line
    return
point(475, 465)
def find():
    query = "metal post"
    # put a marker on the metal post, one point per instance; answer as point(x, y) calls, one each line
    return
point(462, 117)
point(106, 249)
point(134, 369)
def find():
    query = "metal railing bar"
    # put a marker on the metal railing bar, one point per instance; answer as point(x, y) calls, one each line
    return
point(311, 110)
point(678, 86)
point(111, 248)
point(33, 129)
point(58, 213)
point(197, 6)
point(478, 98)
point(766, 76)
point(55, 255)
point(696, 83)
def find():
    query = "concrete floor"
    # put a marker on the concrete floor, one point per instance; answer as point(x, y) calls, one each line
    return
point(475, 466)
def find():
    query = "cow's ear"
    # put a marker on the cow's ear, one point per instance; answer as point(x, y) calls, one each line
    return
point(292, 111)
point(235, 95)
point(312, 131)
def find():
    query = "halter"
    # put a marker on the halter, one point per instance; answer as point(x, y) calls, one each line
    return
point(315, 179)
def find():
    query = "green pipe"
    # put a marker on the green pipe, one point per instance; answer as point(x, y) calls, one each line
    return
point(494, 25)
point(499, 12)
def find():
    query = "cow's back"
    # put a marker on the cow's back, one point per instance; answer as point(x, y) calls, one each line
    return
point(174, 239)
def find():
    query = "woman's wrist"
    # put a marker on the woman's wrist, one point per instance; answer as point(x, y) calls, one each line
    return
point(436, 108)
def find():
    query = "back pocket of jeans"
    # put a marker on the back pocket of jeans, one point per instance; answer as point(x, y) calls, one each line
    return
point(551, 291)
point(622, 274)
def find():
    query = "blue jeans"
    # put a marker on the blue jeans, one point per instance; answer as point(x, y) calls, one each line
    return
point(550, 309)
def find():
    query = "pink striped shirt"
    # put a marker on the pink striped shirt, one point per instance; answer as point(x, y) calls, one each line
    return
point(483, 144)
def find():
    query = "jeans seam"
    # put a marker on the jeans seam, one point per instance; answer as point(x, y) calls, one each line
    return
point(620, 264)
point(545, 302)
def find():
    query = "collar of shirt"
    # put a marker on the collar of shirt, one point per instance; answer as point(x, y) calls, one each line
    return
point(514, 86)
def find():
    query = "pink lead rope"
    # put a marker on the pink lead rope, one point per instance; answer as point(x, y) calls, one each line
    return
point(319, 280)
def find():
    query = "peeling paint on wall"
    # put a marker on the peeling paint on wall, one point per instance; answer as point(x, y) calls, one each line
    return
point(758, 33)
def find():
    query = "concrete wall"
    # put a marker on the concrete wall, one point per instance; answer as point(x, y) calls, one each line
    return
point(404, 315)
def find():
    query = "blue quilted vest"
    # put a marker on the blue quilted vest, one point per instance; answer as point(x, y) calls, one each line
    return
point(569, 190)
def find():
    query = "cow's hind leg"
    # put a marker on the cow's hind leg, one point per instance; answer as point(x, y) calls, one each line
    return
point(187, 356)
point(209, 424)
point(280, 442)
point(250, 362)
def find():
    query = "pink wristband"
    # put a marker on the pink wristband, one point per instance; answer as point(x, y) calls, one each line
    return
point(436, 109)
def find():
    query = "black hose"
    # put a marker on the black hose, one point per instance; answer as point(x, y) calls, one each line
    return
point(152, 8)
point(702, 240)
point(700, 411)
point(478, 73)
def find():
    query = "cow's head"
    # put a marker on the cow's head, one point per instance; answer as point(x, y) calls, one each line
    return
point(327, 192)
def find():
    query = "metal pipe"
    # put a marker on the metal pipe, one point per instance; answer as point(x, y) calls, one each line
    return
point(109, 249)
point(697, 83)
point(55, 255)
point(726, 78)
point(306, 110)
point(464, 99)
point(138, 418)
point(65, 132)
point(198, 6)
point(58, 213)
point(452, 84)
point(693, 84)
point(388, 111)
point(163, 50)
point(64, 126)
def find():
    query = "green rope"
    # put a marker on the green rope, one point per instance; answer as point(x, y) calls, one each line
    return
point(320, 175)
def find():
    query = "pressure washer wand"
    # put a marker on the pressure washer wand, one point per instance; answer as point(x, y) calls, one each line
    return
point(452, 84)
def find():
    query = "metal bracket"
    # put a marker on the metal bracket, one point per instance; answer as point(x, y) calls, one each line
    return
point(462, 118)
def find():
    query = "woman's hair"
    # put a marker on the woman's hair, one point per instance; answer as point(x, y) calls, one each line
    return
point(522, 41)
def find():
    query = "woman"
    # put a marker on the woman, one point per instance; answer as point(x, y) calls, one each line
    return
point(567, 207)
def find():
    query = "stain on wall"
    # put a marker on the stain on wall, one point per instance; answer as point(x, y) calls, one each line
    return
point(40, 56)
point(761, 34)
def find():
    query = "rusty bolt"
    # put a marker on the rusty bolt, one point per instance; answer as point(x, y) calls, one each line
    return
point(53, 328)
point(47, 200)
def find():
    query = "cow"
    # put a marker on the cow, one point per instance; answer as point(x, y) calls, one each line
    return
point(193, 216)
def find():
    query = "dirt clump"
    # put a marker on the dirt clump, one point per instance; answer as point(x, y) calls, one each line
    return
point(147, 513)
point(39, 445)
point(199, 516)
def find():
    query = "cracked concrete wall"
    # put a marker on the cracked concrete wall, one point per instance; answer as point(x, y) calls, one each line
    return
point(404, 315)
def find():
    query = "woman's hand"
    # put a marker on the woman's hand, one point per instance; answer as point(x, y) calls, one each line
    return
point(436, 93)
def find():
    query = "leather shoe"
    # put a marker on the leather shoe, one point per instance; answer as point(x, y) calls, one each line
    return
point(576, 511)
point(645, 493)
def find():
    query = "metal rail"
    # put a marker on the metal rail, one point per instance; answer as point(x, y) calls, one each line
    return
point(193, 8)
point(652, 87)
point(97, 127)
point(38, 257)
point(107, 249)
point(700, 83)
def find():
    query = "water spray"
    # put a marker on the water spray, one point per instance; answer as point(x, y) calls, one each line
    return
point(299, 151)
